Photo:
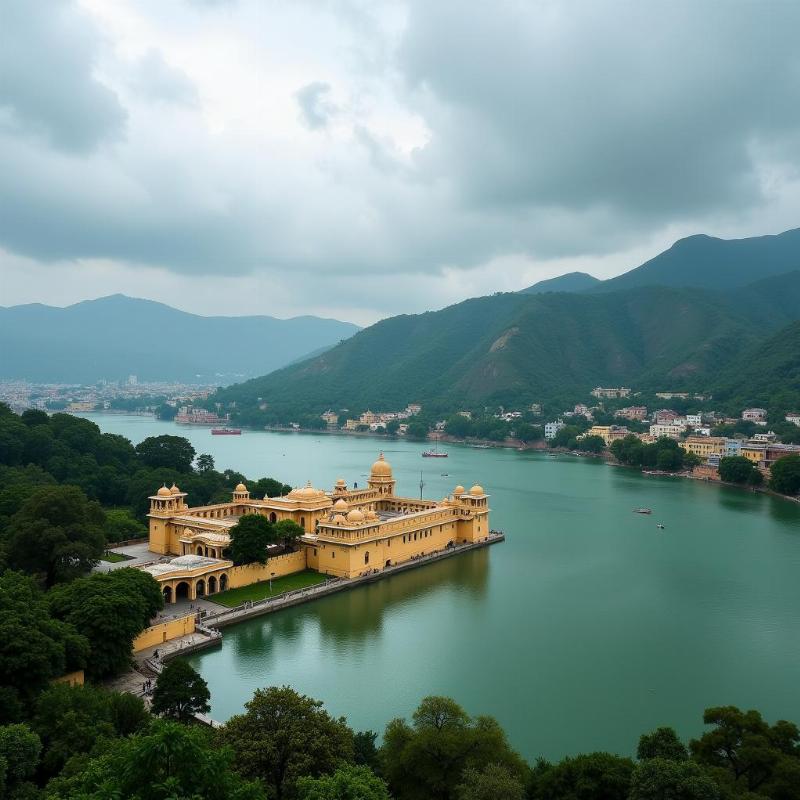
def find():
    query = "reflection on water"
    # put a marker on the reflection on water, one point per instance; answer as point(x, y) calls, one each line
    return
point(588, 626)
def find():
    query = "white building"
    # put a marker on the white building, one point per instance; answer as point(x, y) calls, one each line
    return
point(670, 431)
point(755, 414)
point(694, 419)
point(552, 428)
point(793, 417)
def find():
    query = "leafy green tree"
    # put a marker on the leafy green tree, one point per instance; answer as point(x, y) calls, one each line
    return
point(590, 444)
point(748, 751)
point(172, 452)
point(364, 749)
point(249, 539)
point(74, 720)
point(57, 534)
point(346, 783)
point(180, 692)
point(121, 526)
point(427, 758)
point(34, 647)
point(565, 436)
point(284, 736)
point(668, 779)
point(392, 426)
point(785, 475)
point(205, 462)
point(459, 426)
point(288, 531)
point(529, 433)
point(493, 782)
point(417, 429)
point(593, 776)
point(661, 743)
point(110, 610)
point(20, 748)
point(168, 761)
point(738, 469)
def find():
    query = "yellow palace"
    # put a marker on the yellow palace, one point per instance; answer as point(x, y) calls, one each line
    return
point(348, 531)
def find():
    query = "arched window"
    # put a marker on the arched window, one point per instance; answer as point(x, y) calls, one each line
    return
point(303, 523)
point(273, 517)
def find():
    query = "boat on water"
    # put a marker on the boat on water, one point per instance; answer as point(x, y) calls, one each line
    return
point(226, 431)
point(660, 526)
point(642, 511)
point(435, 453)
point(480, 446)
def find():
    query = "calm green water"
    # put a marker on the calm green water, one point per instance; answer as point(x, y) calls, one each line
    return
point(587, 627)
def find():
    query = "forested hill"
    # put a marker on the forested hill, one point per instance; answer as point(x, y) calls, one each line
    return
point(570, 282)
point(515, 348)
point(116, 336)
point(705, 261)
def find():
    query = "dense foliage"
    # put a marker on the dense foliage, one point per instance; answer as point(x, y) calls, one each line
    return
point(515, 349)
point(180, 692)
point(738, 469)
point(785, 475)
point(664, 454)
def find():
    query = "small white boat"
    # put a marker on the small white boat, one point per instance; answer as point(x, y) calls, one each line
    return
point(642, 511)
point(660, 526)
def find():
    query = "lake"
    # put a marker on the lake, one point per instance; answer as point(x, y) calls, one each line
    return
point(586, 628)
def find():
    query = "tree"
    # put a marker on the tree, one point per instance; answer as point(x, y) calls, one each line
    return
point(785, 475)
point(747, 750)
point(738, 469)
point(529, 433)
point(180, 692)
point(57, 534)
point(288, 530)
point(492, 783)
point(364, 749)
point(168, 761)
point(284, 736)
point(427, 758)
point(249, 539)
point(110, 609)
point(392, 426)
point(459, 426)
point(667, 779)
point(417, 430)
point(173, 452)
point(74, 720)
point(34, 647)
point(121, 526)
point(205, 462)
point(593, 776)
point(19, 756)
point(347, 783)
point(591, 444)
point(661, 743)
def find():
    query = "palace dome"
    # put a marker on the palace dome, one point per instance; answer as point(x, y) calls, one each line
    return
point(341, 483)
point(338, 519)
point(355, 516)
point(164, 492)
point(459, 490)
point(477, 490)
point(174, 489)
point(381, 468)
point(341, 505)
point(307, 492)
point(240, 487)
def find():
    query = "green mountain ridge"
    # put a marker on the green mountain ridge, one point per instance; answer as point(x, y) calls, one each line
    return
point(115, 336)
point(517, 348)
point(569, 282)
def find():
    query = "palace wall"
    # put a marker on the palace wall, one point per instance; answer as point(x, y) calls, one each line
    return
point(164, 632)
point(279, 566)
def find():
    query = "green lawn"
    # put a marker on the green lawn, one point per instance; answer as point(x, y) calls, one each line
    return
point(258, 591)
point(114, 558)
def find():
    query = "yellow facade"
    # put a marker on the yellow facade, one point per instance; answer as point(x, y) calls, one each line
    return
point(71, 678)
point(705, 446)
point(164, 632)
point(348, 531)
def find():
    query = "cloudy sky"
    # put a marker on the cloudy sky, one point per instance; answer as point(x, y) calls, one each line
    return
point(357, 159)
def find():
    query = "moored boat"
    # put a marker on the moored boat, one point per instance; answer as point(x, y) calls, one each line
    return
point(642, 511)
point(226, 431)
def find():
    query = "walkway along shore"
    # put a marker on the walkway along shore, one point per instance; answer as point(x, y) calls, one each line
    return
point(207, 633)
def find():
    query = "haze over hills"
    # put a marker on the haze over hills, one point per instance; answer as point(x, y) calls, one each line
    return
point(569, 282)
point(515, 348)
point(115, 336)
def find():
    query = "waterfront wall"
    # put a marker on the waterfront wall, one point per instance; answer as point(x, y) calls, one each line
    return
point(278, 566)
point(164, 632)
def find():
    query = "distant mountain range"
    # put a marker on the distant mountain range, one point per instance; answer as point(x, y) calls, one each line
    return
point(705, 314)
point(699, 261)
point(116, 336)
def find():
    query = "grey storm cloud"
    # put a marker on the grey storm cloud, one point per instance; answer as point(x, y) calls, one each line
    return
point(316, 109)
point(553, 129)
point(46, 83)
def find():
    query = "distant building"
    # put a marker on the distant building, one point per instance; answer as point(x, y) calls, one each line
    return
point(552, 428)
point(793, 417)
point(581, 410)
point(705, 446)
point(632, 412)
point(465, 414)
point(608, 433)
point(769, 436)
point(413, 408)
point(665, 416)
point(132, 380)
point(672, 395)
point(671, 431)
point(694, 419)
point(331, 419)
point(611, 394)
point(535, 408)
point(755, 414)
